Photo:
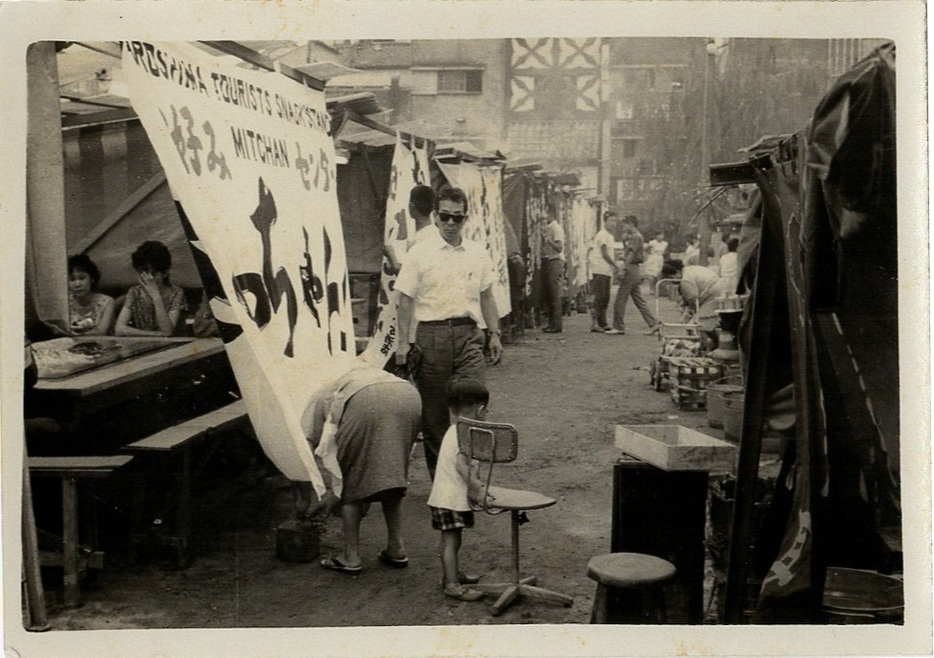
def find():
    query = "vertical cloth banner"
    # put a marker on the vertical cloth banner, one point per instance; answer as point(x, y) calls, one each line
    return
point(409, 168)
point(536, 216)
point(250, 161)
point(46, 258)
point(485, 224)
point(582, 230)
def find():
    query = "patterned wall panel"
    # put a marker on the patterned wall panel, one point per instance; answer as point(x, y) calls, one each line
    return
point(554, 78)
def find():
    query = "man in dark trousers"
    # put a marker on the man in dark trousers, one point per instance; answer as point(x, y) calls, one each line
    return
point(446, 284)
point(602, 269)
point(633, 255)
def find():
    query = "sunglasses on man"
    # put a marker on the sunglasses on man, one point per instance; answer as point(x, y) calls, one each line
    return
point(448, 217)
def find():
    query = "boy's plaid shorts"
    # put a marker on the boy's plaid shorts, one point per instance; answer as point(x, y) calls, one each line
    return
point(446, 519)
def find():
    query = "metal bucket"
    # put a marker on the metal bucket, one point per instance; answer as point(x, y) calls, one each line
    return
point(852, 596)
point(715, 390)
point(732, 415)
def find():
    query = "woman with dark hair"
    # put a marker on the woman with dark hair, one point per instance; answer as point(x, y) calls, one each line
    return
point(90, 313)
point(153, 307)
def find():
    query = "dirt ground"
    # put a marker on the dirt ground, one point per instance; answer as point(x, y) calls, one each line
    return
point(564, 392)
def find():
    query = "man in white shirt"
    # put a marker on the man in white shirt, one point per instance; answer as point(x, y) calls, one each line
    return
point(446, 284)
point(553, 270)
point(602, 269)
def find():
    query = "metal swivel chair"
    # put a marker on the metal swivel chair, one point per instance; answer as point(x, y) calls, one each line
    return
point(493, 443)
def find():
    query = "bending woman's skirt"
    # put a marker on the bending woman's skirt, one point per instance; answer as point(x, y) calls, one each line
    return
point(374, 440)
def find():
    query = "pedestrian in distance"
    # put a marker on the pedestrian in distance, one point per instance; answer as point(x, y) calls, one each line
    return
point(655, 250)
point(553, 269)
point(602, 269)
point(446, 284)
point(457, 488)
point(700, 288)
point(633, 255)
point(729, 268)
point(692, 252)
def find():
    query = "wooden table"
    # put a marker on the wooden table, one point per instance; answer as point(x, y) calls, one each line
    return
point(73, 397)
point(87, 396)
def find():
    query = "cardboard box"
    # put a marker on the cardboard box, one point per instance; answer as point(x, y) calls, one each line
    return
point(676, 448)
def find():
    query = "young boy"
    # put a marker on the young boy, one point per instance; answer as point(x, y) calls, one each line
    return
point(456, 484)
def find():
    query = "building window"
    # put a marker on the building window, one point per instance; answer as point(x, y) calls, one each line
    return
point(460, 82)
point(677, 79)
point(640, 77)
point(629, 147)
point(624, 110)
point(646, 167)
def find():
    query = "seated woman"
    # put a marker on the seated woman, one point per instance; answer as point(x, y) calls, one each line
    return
point(699, 287)
point(361, 428)
point(153, 307)
point(90, 313)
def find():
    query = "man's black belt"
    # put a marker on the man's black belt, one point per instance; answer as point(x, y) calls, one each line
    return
point(450, 322)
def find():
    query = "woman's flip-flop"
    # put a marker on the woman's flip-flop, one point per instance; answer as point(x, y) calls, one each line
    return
point(389, 561)
point(334, 564)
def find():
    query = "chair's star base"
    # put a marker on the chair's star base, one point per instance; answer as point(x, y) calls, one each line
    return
point(510, 592)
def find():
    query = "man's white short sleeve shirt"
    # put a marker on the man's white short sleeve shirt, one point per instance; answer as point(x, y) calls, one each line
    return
point(553, 232)
point(446, 281)
point(598, 264)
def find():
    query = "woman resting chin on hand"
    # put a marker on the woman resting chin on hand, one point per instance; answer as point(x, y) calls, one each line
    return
point(153, 307)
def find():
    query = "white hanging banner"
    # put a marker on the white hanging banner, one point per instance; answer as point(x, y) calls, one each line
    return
point(581, 231)
point(485, 223)
point(249, 158)
point(409, 168)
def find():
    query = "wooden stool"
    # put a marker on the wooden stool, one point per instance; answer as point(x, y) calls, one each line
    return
point(69, 470)
point(630, 588)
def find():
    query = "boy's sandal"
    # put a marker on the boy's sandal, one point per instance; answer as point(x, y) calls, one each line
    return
point(462, 593)
point(334, 564)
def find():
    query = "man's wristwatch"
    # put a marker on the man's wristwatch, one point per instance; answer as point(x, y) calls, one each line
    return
point(496, 332)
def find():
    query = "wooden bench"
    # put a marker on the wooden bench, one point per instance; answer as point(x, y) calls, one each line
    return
point(176, 443)
point(72, 558)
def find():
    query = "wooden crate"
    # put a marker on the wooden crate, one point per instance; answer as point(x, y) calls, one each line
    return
point(687, 398)
point(690, 379)
point(675, 448)
point(691, 373)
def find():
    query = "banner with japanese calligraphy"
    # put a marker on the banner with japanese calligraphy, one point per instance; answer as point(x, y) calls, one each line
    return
point(485, 224)
point(250, 161)
point(409, 168)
